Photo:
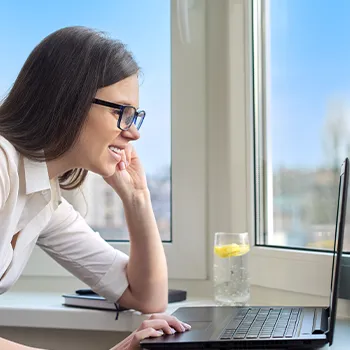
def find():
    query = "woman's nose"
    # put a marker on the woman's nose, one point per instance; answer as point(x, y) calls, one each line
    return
point(132, 133)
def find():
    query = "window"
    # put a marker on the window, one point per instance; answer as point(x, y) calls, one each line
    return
point(301, 125)
point(172, 67)
point(303, 133)
point(153, 55)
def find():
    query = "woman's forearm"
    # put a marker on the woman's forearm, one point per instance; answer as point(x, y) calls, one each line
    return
point(147, 268)
point(9, 345)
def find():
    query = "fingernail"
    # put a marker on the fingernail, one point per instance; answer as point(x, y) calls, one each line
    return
point(159, 333)
point(187, 326)
point(173, 331)
point(122, 166)
point(182, 328)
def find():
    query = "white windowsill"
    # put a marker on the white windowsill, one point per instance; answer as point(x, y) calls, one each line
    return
point(45, 310)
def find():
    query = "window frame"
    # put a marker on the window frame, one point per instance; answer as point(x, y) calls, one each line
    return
point(187, 253)
point(298, 270)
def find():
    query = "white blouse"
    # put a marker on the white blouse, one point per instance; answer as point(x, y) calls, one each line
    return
point(32, 205)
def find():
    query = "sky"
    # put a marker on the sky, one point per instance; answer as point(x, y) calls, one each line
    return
point(309, 65)
point(310, 77)
point(144, 25)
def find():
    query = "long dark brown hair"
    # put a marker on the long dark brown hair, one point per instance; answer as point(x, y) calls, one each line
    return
point(47, 106)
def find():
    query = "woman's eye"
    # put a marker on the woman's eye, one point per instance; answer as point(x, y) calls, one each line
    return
point(116, 112)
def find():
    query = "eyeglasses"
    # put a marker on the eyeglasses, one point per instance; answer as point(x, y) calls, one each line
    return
point(127, 115)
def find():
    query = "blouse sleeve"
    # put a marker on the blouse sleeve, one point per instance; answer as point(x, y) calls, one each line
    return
point(70, 241)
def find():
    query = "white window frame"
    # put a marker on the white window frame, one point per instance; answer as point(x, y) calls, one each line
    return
point(186, 254)
point(230, 174)
point(306, 272)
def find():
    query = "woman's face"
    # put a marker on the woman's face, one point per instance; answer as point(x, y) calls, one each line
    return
point(92, 151)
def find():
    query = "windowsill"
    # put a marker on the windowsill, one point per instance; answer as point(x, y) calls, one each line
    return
point(45, 310)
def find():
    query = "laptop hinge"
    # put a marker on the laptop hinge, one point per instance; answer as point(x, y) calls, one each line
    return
point(320, 325)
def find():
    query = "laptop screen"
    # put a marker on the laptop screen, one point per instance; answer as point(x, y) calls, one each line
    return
point(338, 244)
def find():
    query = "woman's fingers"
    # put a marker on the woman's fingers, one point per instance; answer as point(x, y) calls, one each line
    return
point(173, 322)
point(155, 326)
point(158, 324)
point(123, 163)
point(126, 157)
point(143, 334)
point(168, 323)
point(128, 150)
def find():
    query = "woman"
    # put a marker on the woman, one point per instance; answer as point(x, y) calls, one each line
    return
point(72, 109)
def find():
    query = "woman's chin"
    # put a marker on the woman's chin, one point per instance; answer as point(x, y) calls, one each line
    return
point(109, 172)
point(106, 171)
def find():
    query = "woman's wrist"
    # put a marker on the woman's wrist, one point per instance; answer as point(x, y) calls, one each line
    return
point(136, 198)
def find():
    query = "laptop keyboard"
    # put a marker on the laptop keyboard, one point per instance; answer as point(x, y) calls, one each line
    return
point(262, 323)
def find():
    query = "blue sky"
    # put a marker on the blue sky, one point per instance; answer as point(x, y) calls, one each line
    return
point(310, 55)
point(144, 25)
point(310, 68)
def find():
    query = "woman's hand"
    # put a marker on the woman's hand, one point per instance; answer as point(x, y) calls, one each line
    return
point(155, 326)
point(129, 177)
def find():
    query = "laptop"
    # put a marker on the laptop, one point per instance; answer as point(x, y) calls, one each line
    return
point(264, 327)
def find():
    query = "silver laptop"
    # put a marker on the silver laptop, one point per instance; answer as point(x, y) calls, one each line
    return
point(264, 327)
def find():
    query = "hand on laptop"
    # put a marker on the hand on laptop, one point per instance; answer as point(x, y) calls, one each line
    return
point(155, 326)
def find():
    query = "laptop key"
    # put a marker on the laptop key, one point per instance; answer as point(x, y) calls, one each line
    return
point(252, 336)
point(225, 337)
point(254, 332)
point(239, 336)
point(307, 324)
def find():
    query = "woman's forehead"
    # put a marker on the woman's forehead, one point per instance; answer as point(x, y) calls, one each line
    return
point(124, 92)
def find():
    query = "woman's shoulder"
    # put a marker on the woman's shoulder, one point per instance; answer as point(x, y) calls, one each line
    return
point(9, 160)
point(8, 152)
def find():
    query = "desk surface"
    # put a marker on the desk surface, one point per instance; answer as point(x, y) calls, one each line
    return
point(45, 310)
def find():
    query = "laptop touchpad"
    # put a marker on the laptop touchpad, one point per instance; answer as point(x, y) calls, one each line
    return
point(199, 325)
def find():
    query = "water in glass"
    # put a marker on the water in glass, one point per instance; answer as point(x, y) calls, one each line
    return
point(231, 277)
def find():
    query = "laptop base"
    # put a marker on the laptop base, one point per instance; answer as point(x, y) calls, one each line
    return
point(246, 328)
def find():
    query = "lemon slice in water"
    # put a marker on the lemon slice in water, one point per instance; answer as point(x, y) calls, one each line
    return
point(225, 251)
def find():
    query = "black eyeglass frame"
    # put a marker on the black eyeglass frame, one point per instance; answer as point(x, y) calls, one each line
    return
point(122, 108)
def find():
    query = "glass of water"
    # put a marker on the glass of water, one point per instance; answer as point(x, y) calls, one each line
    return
point(231, 277)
